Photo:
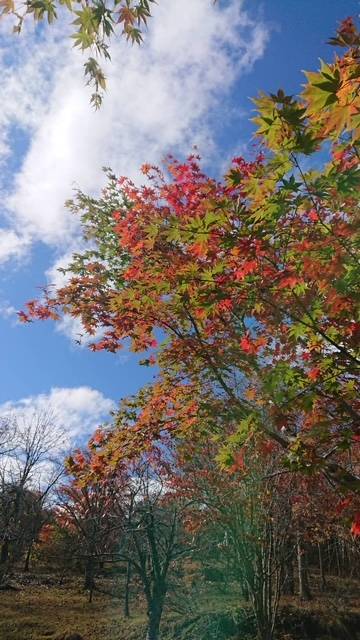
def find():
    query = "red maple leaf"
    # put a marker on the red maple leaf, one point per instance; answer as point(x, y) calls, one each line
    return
point(355, 527)
point(314, 373)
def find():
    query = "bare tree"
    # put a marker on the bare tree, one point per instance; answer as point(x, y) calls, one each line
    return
point(7, 430)
point(38, 441)
point(152, 539)
point(29, 469)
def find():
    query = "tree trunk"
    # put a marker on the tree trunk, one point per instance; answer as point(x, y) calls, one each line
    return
point(304, 590)
point(321, 568)
point(337, 555)
point(155, 609)
point(127, 591)
point(287, 572)
point(245, 591)
point(89, 582)
point(4, 561)
point(4, 552)
point(153, 630)
point(27, 559)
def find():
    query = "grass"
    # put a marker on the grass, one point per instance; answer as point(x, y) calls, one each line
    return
point(40, 613)
point(42, 610)
point(47, 612)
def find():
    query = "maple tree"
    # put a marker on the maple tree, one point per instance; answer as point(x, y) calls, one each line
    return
point(88, 510)
point(243, 291)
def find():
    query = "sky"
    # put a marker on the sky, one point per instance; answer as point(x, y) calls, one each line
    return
point(190, 83)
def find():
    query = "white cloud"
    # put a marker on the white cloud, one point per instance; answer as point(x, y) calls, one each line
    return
point(78, 411)
point(28, 74)
point(159, 99)
point(7, 310)
point(12, 245)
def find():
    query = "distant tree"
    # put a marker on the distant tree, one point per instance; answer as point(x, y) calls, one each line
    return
point(244, 515)
point(6, 436)
point(28, 474)
point(22, 516)
point(153, 539)
point(87, 508)
point(123, 508)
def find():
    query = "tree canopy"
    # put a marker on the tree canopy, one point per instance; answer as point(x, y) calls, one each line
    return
point(243, 291)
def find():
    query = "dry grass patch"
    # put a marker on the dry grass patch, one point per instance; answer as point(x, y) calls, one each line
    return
point(43, 613)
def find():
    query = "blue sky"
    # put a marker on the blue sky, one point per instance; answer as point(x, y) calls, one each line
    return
point(189, 84)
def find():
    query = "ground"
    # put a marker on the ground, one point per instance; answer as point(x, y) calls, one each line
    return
point(44, 610)
point(39, 612)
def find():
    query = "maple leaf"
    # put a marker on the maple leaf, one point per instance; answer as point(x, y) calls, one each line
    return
point(343, 504)
point(313, 215)
point(355, 527)
point(250, 393)
point(245, 269)
point(246, 344)
point(226, 304)
point(238, 462)
point(288, 282)
point(23, 317)
point(314, 373)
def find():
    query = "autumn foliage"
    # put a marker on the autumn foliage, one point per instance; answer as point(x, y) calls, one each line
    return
point(242, 291)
